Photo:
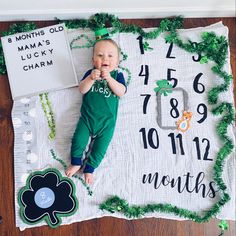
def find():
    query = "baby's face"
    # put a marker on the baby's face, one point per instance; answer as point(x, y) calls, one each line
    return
point(105, 55)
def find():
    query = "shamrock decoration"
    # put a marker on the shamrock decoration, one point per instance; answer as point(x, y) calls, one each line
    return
point(224, 225)
point(89, 43)
point(146, 46)
point(47, 196)
point(204, 60)
point(163, 87)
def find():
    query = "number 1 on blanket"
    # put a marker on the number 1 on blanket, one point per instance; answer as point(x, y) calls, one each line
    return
point(140, 39)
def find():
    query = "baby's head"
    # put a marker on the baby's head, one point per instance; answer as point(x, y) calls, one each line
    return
point(106, 55)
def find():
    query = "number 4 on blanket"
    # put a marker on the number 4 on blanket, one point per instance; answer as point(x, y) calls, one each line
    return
point(47, 196)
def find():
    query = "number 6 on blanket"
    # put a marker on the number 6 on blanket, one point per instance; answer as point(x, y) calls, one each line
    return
point(47, 196)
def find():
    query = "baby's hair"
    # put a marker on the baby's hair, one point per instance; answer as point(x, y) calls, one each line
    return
point(110, 41)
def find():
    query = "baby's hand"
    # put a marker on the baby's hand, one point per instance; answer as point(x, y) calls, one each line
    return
point(96, 74)
point(105, 74)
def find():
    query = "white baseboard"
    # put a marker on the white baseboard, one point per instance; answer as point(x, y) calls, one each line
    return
point(15, 10)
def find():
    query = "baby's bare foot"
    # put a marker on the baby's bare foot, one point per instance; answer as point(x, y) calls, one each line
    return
point(88, 178)
point(71, 170)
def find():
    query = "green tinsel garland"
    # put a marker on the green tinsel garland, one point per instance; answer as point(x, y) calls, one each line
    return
point(108, 20)
point(89, 43)
point(211, 47)
point(47, 109)
point(14, 28)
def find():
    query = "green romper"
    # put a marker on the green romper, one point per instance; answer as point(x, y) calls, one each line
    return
point(98, 118)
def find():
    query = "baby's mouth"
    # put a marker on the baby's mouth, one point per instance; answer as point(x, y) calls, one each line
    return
point(105, 65)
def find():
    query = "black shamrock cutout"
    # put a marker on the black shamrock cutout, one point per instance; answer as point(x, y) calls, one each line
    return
point(47, 196)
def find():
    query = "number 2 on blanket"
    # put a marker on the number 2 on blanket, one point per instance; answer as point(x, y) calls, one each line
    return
point(168, 55)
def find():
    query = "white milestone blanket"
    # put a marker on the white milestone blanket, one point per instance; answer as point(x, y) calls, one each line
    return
point(145, 144)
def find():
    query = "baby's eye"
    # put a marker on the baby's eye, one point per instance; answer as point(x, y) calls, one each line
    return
point(99, 55)
point(110, 55)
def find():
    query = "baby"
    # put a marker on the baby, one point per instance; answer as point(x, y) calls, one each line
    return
point(101, 88)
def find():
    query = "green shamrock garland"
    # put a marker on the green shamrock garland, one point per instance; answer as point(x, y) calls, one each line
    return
point(14, 28)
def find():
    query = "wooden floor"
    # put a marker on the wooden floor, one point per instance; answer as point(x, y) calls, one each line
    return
point(105, 226)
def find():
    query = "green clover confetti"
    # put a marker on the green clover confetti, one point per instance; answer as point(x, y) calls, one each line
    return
point(204, 60)
point(223, 225)
point(146, 46)
point(163, 87)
